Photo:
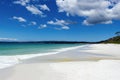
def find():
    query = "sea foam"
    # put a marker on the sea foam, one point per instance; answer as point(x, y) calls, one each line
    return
point(8, 61)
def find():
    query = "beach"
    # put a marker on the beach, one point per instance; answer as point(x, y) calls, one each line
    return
point(88, 62)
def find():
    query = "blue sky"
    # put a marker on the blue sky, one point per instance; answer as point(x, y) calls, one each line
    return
point(66, 20)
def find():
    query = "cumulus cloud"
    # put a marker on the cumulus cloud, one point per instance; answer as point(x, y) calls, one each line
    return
point(94, 11)
point(65, 27)
point(34, 10)
point(61, 23)
point(20, 19)
point(22, 2)
point(33, 23)
point(8, 39)
point(44, 7)
point(42, 26)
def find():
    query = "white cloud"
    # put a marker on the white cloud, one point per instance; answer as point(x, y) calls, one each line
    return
point(94, 11)
point(33, 23)
point(42, 26)
point(22, 2)
point(58, 22)
point(65, 27)
point(44, 7)
point(20, 19)
point(61, 23)
point(8, 39)
point(34, 10)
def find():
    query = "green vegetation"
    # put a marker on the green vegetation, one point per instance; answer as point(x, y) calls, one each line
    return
point(117, 33)
point(113, 40)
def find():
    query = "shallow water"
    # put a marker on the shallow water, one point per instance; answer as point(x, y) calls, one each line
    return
point(30, 48)
point(14, 53)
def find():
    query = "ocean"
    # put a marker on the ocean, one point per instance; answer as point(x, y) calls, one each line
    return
point(13, 53)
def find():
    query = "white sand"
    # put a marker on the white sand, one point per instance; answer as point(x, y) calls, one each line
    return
point(104, 69)
point(108, 49)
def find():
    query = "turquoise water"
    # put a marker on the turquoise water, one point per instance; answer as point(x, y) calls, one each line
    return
point(30, 48)
point(14, 53)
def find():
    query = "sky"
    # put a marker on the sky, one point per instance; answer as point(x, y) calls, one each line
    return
point(59, 20)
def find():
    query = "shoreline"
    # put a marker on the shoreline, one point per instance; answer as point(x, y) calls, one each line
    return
point(92, 62)
point(8, 61)
point(91, 52)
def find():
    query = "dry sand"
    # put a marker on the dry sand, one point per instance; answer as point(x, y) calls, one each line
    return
point(105, 67)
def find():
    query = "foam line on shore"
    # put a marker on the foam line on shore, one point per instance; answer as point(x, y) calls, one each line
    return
point(7, 61)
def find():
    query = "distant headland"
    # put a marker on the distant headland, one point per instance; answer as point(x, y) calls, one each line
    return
point(115, 39)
